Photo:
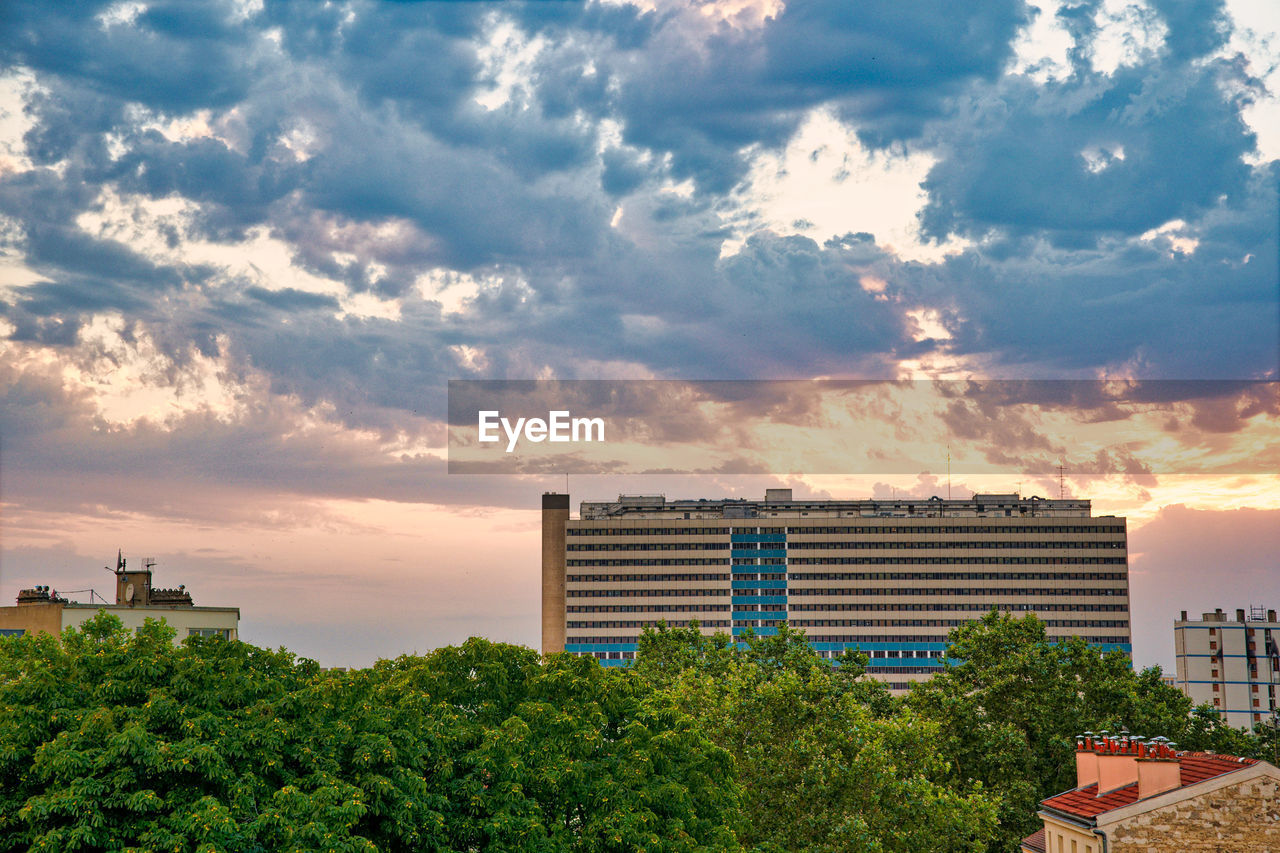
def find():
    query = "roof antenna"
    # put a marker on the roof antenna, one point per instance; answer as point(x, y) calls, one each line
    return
point(948, 472)
point(1062, 482)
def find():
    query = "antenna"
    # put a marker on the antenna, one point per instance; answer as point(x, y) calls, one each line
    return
point(1062, 482)
point(948, 472)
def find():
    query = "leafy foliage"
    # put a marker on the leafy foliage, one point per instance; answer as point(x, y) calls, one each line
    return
point(824, 761)
point(1011, 708)
point(121, 741)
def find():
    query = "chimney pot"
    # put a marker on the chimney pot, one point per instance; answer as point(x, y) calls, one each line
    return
point(1184, 616)
point(1239, 614)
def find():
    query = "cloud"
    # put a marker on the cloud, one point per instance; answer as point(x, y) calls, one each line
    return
point(1174, 555)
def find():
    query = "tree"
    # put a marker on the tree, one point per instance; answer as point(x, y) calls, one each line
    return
point(121, 741)
point(824, 762)
point(1011, 707)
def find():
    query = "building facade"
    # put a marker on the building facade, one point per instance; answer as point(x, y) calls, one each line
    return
point(1231, 664)
point(41, 610)
point(891, 578)
point(1136, 796)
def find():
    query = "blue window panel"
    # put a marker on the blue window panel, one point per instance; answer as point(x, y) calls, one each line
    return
point(759, 632)
point(765, 569)
point(12, 632)
point(782, 584)
point(763, 552)
point(607, 662)
point(758, 537)
point(600, 647)
point(758, 599)
point(759, 614)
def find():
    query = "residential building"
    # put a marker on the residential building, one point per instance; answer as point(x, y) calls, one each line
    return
point(42, 610)
point(1231, 664)
point(889, 577)
point(1136, 795)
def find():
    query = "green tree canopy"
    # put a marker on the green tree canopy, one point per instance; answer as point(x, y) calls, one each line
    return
point(1010, 703)
point(123, 741)
point(824, 761)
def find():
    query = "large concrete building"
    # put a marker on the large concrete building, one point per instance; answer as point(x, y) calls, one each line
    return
point(891, 578)
point(1232, 664)
point(41, 610)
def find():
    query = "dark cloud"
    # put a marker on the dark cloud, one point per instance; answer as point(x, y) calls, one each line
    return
point(1092, 155)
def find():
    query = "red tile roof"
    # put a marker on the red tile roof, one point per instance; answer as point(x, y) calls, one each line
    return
point(1195, 767)
point(1034, 841)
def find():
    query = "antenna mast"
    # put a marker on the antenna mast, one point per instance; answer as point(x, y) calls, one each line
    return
point(1062, 482)
point(948, 472)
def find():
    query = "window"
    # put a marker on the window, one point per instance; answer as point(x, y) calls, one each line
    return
point(1212, 645)
point(224, 633)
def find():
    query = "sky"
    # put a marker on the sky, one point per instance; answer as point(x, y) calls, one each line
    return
point(245, 245)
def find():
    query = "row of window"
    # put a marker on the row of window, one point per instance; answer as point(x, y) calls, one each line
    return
point(649, 531)
point(934, 546)
point(644, 578)
point(646, 608)
point(652, 546)
point(691, 561)
point(856, 561)
point(947, 623)
point(642, 593)
point(1013, 576)
point(647, 623)
point(960, 590)
point(866, 545)
point(862, 606)
point(970, 606)
point(957, 561)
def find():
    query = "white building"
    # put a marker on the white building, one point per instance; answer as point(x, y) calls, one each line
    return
point(41, 610)
point(1233, 665)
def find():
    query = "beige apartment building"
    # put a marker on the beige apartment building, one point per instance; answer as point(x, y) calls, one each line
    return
point(41, 610)
point(1231, 664)
point(889, 577)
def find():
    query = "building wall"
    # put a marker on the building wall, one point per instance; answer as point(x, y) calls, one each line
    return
point(1241, 818)
point(183, 620)
point(890, 578)
point(1233, 665)
point(1064, 838)
point(555, 512)
point(32, 618)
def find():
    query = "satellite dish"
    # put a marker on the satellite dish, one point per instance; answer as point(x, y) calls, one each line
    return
point(128, 592)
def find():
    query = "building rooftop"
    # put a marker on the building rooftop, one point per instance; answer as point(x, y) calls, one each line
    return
point(779, 502)
point(1193, 767)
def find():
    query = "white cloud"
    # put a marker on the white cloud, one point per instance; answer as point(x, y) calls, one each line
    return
point(825, 184)
point(1042, 48)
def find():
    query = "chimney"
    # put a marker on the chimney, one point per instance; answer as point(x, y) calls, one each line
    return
point(1239, 614)
point(1160, 770)
point(1184, 616)
point(1117, 763)
point(1271, 616)
point(1086, 761)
